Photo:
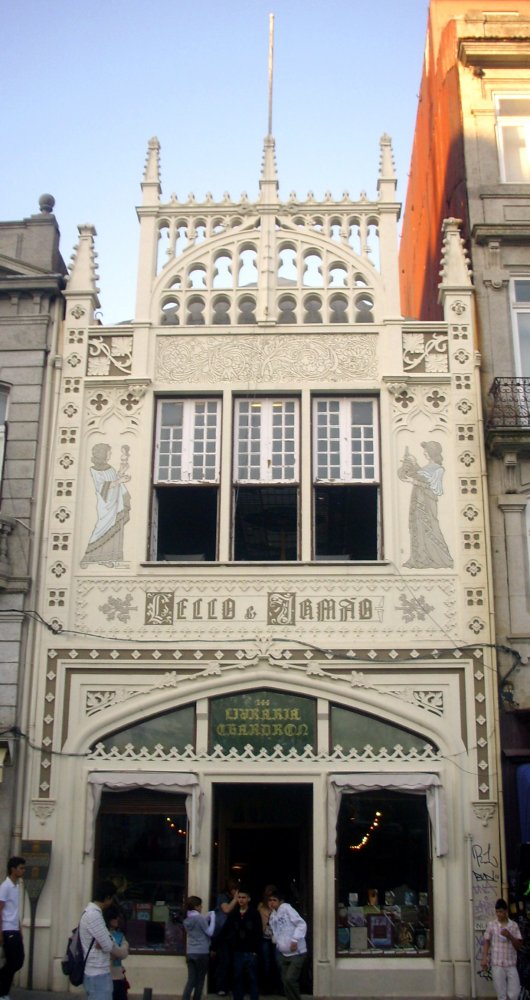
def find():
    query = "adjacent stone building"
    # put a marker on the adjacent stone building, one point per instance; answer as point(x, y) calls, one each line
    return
point(265, 562)
point(31, 313)
point(471, 159)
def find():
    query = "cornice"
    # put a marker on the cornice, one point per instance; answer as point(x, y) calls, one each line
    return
point(506, 232)
point(494, 53)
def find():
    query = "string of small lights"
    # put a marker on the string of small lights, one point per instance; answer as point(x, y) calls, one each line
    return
point(373, 826)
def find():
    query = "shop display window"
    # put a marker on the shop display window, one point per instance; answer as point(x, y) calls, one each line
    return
point(384, 902)
point(141, 847)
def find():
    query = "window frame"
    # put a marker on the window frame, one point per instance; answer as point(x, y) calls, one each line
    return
point(370, 907)
point(145, 804)
point(266, 463)
point(345, 440)
point(518, 308)
point(346, 479)
point(504, 121)
point(4, 410)
point(286, 444)
point(189, 440)
point(188, 479)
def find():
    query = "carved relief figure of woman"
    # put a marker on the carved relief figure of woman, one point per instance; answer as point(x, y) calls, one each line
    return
point(428, 548)
point(113, 503)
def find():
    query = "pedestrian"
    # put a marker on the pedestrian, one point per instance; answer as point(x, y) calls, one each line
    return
point(270, 966)
point(11, 930)
point(289, 930)
point(502, 940)
point(243, 934)
point(224, 905)
point(98, 945)
point(114, 919)
point(199, 930)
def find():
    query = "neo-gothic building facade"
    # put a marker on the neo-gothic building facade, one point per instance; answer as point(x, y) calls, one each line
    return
point(266, 583)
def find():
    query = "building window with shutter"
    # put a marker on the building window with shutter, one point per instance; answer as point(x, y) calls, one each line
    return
point(266, 479)
point(346, 478)
point(186, 480)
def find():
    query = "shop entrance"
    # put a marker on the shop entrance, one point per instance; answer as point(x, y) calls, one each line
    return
point(262, 835)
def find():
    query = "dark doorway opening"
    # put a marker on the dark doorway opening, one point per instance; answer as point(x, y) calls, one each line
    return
point(262, 835)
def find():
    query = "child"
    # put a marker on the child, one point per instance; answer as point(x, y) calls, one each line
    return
point(199, 930)
point(120, 950)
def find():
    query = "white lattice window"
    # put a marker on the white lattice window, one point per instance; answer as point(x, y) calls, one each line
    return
point(346, 440)
point(346, 478)
point(187, 447)
point(266, 463)
point(266, 445)
point(186, 480)
point(513, 135)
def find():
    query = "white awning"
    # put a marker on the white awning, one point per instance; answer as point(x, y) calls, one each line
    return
point(416, 783)
point(120, 781)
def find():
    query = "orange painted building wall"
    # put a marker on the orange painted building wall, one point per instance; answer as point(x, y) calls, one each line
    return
point(437, 181)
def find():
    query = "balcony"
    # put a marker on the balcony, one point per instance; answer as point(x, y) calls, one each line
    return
point(508, 416)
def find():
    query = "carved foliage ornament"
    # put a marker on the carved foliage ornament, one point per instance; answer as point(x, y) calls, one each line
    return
point(217, 359)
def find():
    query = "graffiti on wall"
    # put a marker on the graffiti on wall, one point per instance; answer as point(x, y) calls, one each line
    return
point(485, 870)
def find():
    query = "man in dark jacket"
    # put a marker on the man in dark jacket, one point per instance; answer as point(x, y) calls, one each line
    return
point(243, 933)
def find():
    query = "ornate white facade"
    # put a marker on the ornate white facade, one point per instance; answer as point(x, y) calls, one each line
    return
point(171, 579)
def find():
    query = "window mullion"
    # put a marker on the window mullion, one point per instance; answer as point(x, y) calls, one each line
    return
point(266, 441)
point(345, 441)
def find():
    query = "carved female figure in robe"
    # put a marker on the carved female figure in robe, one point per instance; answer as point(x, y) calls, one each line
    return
point(105, 544)
point(428, 548)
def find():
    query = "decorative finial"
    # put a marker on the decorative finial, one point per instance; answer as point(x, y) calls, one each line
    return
point(386, 183)
point(83, 274)
point(455, 271)
point(46, 203)
point(151, 180)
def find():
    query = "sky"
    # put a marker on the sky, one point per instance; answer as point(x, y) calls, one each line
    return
point(85, 84)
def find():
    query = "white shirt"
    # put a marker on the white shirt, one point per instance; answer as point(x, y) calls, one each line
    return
point(288, 926)
point(10, 897)
point(92, 925)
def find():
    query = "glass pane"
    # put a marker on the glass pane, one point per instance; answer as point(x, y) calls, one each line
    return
point(3, 405)
point(174, 730)
point(266, 523)
point(383, 874)
point(514, 106)
point(523, 325)
point(172, 414)
point(328, 434)
point(522, 290)
point(248, 440)
point(204, 455)
point(346, 522)
point(516, 159)
point(143, 852)
point(187, 526)
point(170, 442)
point(283, 440)
point(362, 412)
point(353, 730)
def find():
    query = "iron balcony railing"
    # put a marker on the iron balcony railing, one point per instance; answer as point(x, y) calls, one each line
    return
point(510, 404)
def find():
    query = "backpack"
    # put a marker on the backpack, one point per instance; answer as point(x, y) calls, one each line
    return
point(73, 963)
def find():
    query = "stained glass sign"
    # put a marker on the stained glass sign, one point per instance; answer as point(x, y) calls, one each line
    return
point(262, 720)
